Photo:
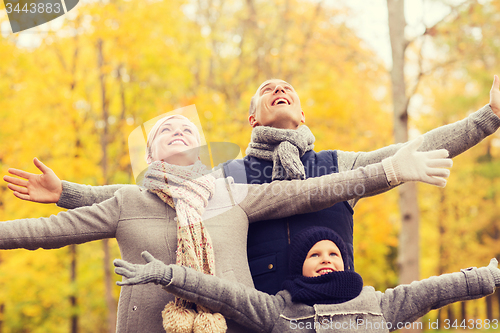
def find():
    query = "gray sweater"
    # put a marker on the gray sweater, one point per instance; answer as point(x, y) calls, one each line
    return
point(140, 221)
point(371, 311)
point(456, 138)
point(139, 306)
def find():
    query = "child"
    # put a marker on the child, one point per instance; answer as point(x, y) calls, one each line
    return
point(320, 294)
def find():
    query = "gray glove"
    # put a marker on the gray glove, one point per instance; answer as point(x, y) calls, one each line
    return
point(154, 271)
point(408, 165)
point(493, 267)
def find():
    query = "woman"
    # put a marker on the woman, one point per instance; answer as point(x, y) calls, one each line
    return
point(148, 218)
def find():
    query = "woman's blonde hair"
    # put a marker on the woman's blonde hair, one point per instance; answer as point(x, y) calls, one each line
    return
point(154, 132)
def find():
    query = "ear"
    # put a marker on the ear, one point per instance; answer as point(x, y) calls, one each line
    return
point(303, 118)
point(253, 122)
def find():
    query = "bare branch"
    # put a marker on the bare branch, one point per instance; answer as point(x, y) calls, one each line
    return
point(60, 56)
point(432, 30)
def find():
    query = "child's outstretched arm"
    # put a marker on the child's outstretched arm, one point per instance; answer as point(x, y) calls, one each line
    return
point(407, 303)
point(249, 307)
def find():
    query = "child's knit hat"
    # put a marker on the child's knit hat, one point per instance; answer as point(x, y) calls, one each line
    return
point(305, 240)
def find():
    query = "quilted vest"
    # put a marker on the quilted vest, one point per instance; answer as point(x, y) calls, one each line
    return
point(268, 240)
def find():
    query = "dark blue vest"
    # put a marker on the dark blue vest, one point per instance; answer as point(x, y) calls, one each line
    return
point(268, 240)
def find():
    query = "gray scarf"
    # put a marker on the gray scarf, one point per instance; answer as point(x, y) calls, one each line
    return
point(284, 147)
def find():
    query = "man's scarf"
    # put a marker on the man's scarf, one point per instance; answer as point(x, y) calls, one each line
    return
point(284, 147)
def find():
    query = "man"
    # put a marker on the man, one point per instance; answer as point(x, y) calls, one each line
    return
point(282, 149)
point(280, 144)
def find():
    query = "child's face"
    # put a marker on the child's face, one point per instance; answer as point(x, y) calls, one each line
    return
point(323, 258)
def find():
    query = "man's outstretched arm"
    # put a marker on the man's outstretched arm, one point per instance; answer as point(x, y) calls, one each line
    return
point(456, 138)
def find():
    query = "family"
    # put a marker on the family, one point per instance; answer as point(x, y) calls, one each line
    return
point(273, 253)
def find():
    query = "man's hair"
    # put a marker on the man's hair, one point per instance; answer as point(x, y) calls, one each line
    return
point(253, 107)
point(253, 104)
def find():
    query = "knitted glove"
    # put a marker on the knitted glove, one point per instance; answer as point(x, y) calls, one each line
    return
point(154, 271)
point(493, 267)
point(408, 165)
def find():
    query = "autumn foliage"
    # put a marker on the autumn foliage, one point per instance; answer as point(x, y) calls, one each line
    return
point(73, 98)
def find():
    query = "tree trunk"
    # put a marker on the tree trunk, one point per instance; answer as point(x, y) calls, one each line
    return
point(252, 19)
point(451, 313)
point(498, 299)
point(489, 307)
point(439, 318)
point(408, 262)
point(2, 309)
point(72, 298)
point(108, 285)
point(2, 313)
point(463, 311)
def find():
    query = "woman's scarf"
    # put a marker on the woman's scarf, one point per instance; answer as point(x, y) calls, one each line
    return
point(187, 190)
point(331, 288)
point(284, 147)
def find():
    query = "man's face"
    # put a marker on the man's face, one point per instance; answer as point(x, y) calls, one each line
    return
point(176, 143)
point(323, 258)
point(277, 105)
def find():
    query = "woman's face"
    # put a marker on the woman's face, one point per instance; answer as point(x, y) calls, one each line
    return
point(176, 142)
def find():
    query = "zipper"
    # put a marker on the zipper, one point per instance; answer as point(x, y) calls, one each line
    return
point(288, 231)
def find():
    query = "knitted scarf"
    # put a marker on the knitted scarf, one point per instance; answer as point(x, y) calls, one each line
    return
point(187, 190)
point(284, 147)
point(332, 288)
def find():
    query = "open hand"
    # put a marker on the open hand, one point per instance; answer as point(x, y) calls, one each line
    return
point(493, 267)
point(408, 164)
point(44, 188)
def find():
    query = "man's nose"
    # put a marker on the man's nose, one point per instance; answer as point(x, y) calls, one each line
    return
point(279, 89)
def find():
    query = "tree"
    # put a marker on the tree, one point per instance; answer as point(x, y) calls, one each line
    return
point(408, 205)
point(453, 32)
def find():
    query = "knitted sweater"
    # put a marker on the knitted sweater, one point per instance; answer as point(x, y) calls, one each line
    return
point(456, 138)
point(140, 221)
point(371, 311)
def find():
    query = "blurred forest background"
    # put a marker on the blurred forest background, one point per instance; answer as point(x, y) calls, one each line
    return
point(73, 100)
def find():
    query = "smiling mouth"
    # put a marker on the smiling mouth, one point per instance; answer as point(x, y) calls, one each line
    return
point(325, 270)
point(280, 101)
point(177, 141)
